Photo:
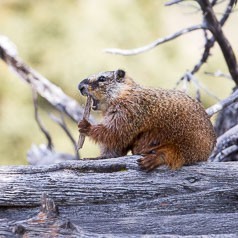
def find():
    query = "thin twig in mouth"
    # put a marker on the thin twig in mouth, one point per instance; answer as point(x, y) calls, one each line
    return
point(86, 114)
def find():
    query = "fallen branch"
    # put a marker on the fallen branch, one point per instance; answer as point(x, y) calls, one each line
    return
point(46, 222)
point(113, 198)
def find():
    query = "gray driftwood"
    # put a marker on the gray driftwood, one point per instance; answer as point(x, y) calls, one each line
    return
point(113, 198)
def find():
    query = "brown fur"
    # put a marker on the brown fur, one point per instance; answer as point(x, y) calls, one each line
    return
point(165, 126)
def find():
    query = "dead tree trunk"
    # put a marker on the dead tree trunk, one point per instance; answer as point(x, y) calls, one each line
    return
point(113, 198)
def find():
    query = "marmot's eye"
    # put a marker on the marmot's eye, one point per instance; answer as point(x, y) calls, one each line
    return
point(101, 79)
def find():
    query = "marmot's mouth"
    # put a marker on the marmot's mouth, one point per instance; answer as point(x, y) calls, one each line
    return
point(95, 104)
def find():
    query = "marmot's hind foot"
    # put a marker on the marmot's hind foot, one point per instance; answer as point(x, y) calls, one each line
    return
point(162, 155)
point(151, 161)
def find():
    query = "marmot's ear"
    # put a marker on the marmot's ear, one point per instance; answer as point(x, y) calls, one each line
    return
point(120, 74)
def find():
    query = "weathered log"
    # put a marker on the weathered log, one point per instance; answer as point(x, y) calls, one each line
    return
point(101, 198)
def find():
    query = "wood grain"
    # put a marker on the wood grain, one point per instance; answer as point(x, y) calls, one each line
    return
point(112, 197)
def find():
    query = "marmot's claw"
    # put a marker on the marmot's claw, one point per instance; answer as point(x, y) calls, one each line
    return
point(146, 164)
point(149, 163)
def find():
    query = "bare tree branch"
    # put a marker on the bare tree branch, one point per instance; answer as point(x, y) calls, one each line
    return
point(191, 78)
point(222, 104)
point(185, 86)
point(41, 155)
point(44, 87)
point(219, 74)
point(208, 45)
point(152, 45)
point(214, 26)
point(37, 118)
point(210, 42)
point(223, 155)
point(170, 3)
point(226, 145)
point(62, 124)
point(213, 2)
point(155, 43)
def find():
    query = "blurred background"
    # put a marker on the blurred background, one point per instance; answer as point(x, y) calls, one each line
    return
point(64, 41)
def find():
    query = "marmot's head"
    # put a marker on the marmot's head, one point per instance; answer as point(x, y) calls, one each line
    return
point(105, 87)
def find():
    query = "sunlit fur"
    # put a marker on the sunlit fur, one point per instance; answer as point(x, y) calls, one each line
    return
point(165, 126)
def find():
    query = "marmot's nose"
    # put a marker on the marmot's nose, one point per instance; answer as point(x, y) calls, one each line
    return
point(82, 87)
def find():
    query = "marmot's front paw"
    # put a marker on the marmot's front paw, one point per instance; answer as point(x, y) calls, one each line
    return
point(84, 126)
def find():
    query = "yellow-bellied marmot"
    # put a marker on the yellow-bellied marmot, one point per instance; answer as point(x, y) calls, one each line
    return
point(164, 126)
